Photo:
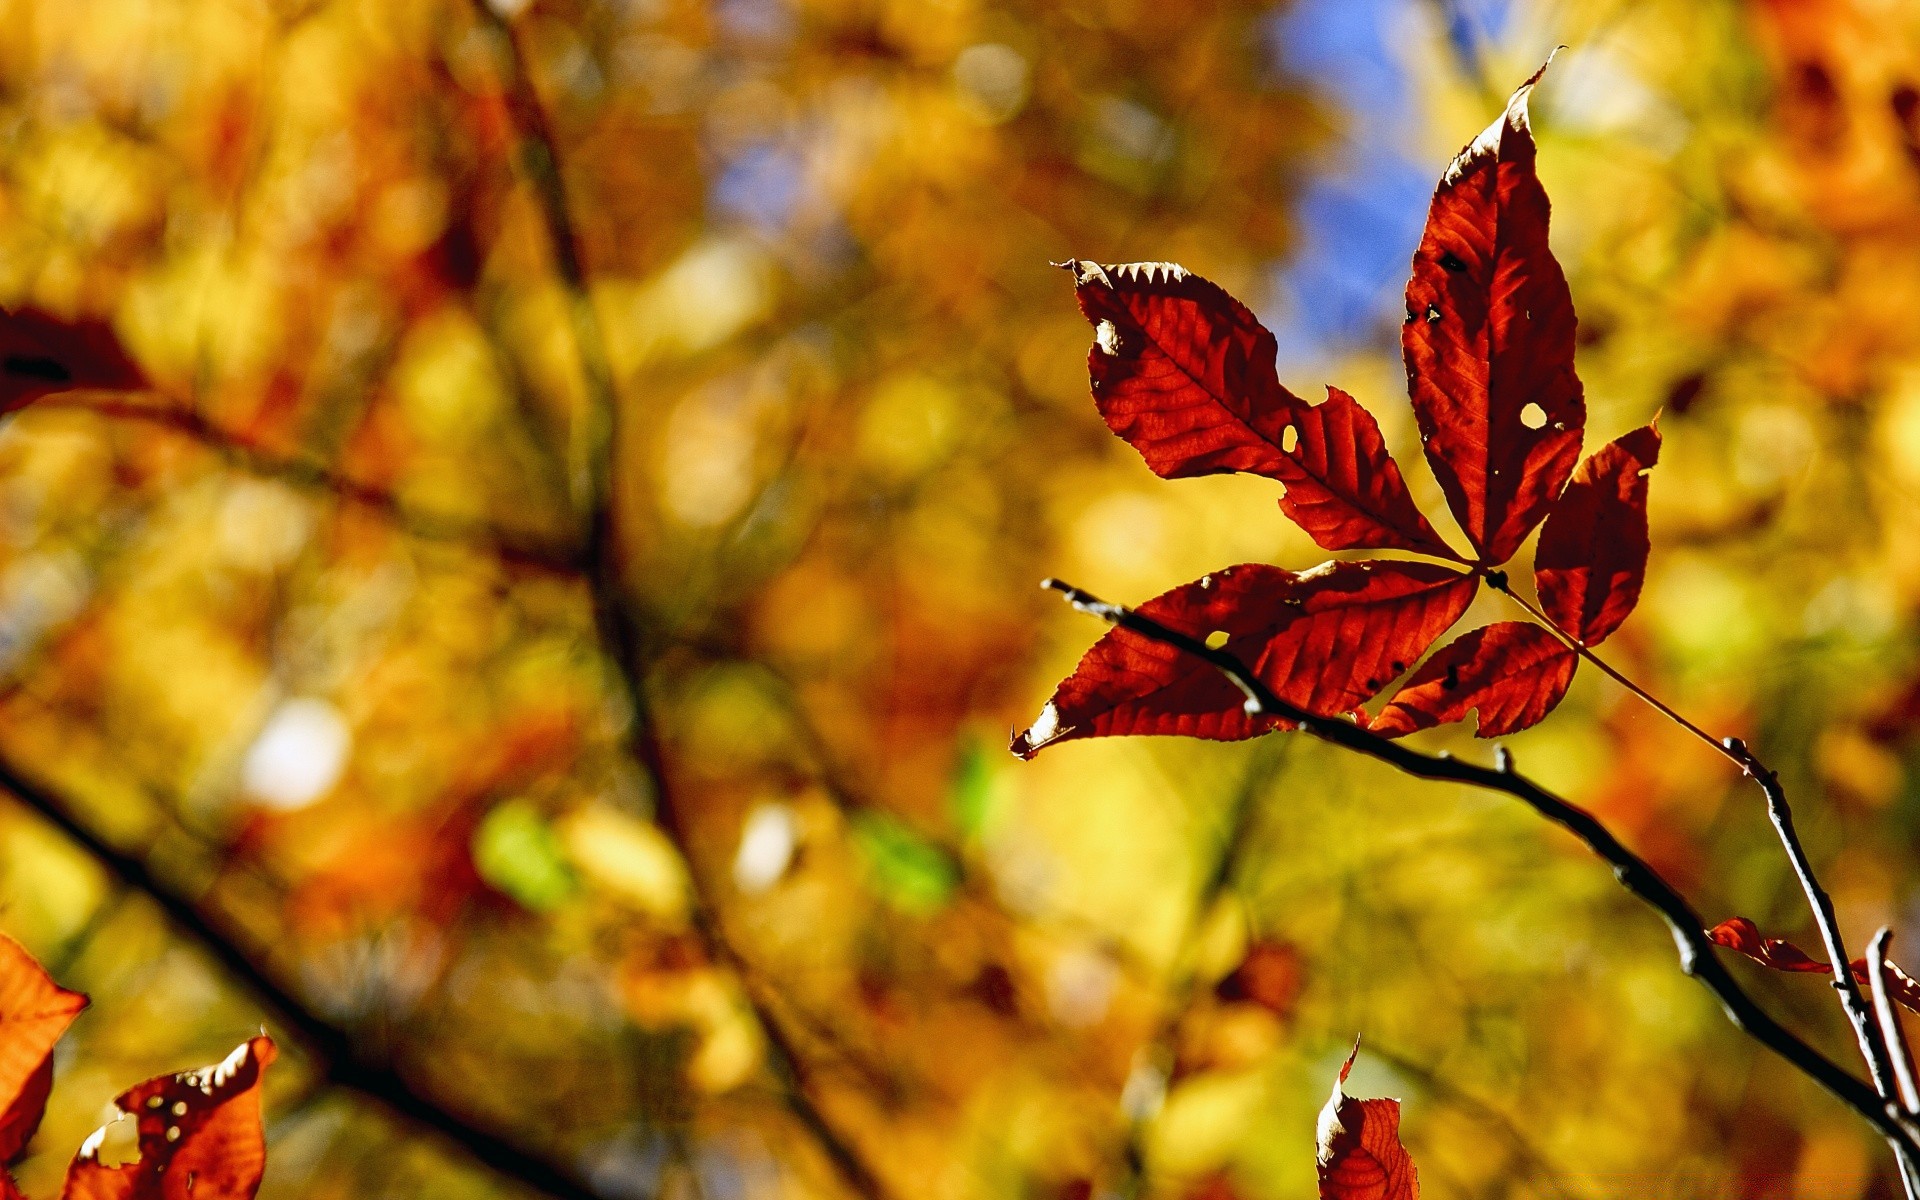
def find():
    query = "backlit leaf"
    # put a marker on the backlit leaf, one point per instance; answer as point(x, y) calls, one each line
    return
point(1513, 673)
point(1360, 1155)
point(1326, 641)
point(1488, 341)
point(1345, 489)
point(199, 1136)
point(1182, 370)
point(1742, 935)
point(1592, 558)
point(34, 1012)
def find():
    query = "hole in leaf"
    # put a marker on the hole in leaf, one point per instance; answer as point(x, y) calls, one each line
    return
point(1533, 416)
point(1289, 439)
point(1451, 262)
point(1452, 680)
point(1433, 314)
point(1216, 639)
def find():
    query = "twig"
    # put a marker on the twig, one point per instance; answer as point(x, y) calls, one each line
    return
point(1872, 1046)
point(305, 472)
point(1878, 971)
point(332, 1047)
point(1890, 1027)
point(1530, 1159)
point(593, 449)
point(1696, 951)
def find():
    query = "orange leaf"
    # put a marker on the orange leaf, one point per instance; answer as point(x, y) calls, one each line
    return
point(200, 1136)
point(1360, 1156)
point(34, 1012)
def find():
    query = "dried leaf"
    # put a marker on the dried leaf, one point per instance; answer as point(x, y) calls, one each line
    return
point(200, 1136)
point(41, 354)
point(1343, 487)
point(1742, 935)
point(34, 1012)
point(1326, 641)
point(1360, 1155)
point(1514, 673)
point(1489, 341)
point(1592, 558)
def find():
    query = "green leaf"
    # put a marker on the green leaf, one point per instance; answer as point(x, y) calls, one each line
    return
point(911, 873)
point(516, 851)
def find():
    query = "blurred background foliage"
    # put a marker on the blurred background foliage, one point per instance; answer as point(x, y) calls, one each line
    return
point(713, 888)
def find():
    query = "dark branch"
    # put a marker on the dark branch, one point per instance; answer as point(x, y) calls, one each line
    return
point(1697, 957)
point(517, 549)
point(332, 1047)
point(1873, 1046)
point(592, 453)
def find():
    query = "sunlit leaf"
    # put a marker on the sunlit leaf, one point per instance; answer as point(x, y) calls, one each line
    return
point(1592, 559)
point(1742, 935)
point(1326, 641)
point(1488, 341)
point(1512, 674)
point(200, 1136)
point(1360, 1156)
point(34, 1012)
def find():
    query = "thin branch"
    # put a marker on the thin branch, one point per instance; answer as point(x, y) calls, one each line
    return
point(1528, 1157)
point(1880, 972)
point(593, 450)
point(332, 1047)
point(1881, 976)
point(243, 454)
point(1696, 951)
point(1872, 1046)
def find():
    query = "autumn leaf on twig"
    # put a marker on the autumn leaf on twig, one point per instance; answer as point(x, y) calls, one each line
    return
point(1743, 936)
point(1186, 375)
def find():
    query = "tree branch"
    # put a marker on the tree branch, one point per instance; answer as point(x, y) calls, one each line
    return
point(1873, 1046)
point(332, 1047)
point(517, 549)
point(593, 451)
point(1696, 952)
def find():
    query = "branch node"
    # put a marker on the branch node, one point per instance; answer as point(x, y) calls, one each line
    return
point(1503, 759)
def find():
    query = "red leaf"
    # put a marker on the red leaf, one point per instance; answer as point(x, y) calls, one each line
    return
point(41, 354)
point(1488, 341)
point(1182, 370)
point(200, 1136)
point(1513, 673)
point(1738, 933)
point(1345, 489)
point(1592, 558)
point(1360, 1155)
point(34, 1012)
point(1271, 975)
point(1185, 373)
point(1326, 641)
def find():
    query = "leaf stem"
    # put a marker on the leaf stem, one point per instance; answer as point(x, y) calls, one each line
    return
point(1696, 950)
point(1873, 1046)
